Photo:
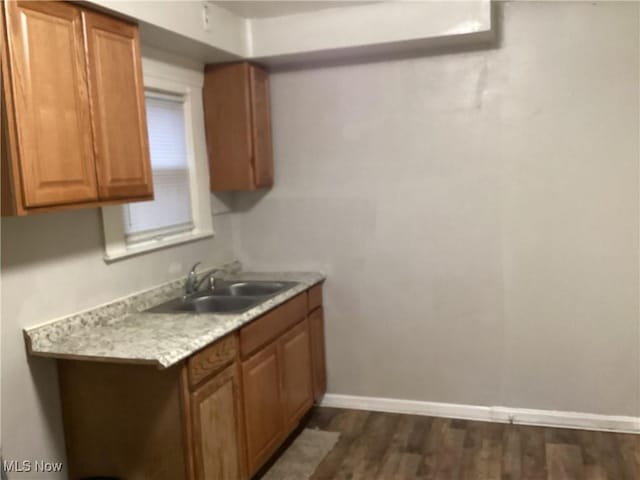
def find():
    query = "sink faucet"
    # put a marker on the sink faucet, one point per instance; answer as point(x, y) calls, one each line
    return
point(192, 284)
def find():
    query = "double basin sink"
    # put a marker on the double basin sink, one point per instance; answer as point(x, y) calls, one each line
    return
point(231, 297)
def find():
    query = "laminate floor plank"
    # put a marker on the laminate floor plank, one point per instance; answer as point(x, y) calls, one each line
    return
point(564, 462)
point(408, 467)
point(512, 454)
point(390, 466)
point(350, 424)
point(594, 472)
point(330, 465)
point(398, 444)
point(431, 446)
point(451, 452)
point(534, 458)
point(322, 418)
point(419, 431)
point(471, 455)
point(378, 432)
point(604, 449)
point(385, 446)
point(629, 448)
point(398, 428)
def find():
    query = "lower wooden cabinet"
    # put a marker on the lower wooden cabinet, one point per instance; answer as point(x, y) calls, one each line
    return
point(136, 422)
point(318, 362)
point(277, 392)
point(297, 391)
point(123, 421)
point(219, 415)
point(262, 405)
point(217, 427)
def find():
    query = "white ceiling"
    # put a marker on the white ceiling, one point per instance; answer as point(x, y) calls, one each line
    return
point(277, 8)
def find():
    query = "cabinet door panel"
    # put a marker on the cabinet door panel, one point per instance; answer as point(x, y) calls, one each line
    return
point(261, 128)
point(117, 107)
point(227, 115)
point(262, 405)
point(51, 105)
point(297, 390)
point(316, 331)
point(217, 427)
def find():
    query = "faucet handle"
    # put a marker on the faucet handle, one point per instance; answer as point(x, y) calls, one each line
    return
point(190, 285)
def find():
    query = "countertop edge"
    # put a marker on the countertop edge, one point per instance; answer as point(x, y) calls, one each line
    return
point(39, 343)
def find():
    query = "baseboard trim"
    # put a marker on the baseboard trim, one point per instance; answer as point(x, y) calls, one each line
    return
point(522, 416)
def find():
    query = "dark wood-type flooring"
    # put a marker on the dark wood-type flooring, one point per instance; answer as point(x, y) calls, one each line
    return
point(406, 447)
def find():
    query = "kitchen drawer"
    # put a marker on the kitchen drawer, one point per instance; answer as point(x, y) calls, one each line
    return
point(212, 359)
point(272, 324)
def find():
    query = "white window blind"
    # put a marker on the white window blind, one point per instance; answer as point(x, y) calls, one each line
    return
point(170, 212)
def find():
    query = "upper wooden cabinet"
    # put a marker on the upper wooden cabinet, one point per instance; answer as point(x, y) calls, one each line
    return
point(238, 124)
point(74, 105)
point(117, 104)
point(51, 103)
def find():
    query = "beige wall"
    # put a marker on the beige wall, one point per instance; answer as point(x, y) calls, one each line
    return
point(477, 214)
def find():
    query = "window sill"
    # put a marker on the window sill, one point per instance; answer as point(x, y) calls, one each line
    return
point(130, 251)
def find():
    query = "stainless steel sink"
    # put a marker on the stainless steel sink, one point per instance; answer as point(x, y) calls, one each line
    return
point(257, 289)
point(220, 304)
point(230, 297)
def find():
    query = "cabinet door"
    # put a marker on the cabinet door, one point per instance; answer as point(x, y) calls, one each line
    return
point(316, 332)
point(261, 127)
point(51, 104)
point(117, 107)
point(297, 390)
point(237, 112)
point(217, 427)
point(227, 115)
point(262, 405)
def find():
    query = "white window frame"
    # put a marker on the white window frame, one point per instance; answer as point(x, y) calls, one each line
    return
point(175, 81)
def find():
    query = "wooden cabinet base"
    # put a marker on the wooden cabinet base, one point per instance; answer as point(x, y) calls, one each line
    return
point(318, 362)
point(220, 414)
point(278, 390)
point(123, 421)
point(139, 423)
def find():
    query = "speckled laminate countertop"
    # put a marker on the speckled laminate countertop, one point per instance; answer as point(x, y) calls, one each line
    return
point(122, 332)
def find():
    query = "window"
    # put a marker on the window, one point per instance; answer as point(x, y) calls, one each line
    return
point(180, 211)
point(170, 212)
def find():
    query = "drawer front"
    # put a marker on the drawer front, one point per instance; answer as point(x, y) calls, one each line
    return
point(315, 297)
point(212, 359)
point(273, 324)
